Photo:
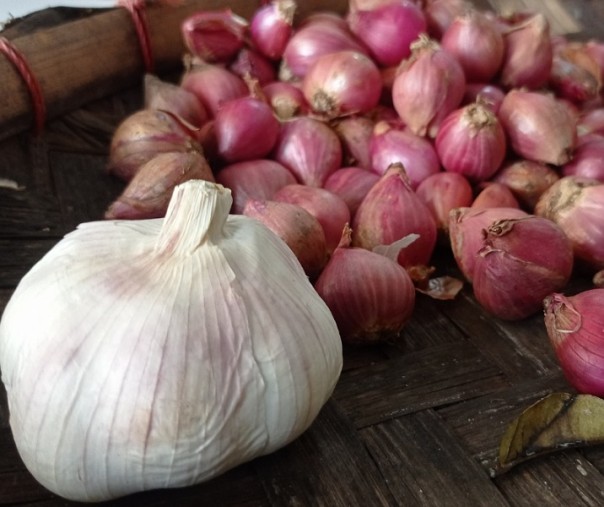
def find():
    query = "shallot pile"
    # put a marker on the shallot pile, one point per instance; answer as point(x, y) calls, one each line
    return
point(368, 140)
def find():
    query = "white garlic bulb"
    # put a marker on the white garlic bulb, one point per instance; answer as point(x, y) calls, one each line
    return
point(160, 353)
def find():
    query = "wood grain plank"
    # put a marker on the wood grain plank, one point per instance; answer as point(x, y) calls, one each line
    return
point(425, 465)
point(327, 466)
point(481, 422)
point(416, 381)
point(565, 479)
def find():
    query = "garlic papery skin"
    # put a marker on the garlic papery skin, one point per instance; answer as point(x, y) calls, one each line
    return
point(164, 351)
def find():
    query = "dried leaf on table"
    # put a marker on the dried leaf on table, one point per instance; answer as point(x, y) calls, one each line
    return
point(556, 422)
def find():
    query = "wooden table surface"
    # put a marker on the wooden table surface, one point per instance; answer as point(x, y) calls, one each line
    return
point(416, 422)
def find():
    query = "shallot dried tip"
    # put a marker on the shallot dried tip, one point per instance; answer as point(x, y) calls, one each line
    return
point(393, 250)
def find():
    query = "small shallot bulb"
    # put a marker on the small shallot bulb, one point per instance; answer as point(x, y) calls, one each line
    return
point(214, 35)
point(575, 326)
point(388, 30)
point(309, 148)
point(577, 206)
point(494, 195)
point(328, 208)
point(390, 145)
point(355, 134)
point(575, 75)
point(539, 126)
point(466, 227)
point(286, 99)
point(148, 193)
point(528, 52)
point(443, 192)
point(245, 128)
point(351, 184)
point(588, 158)
point(429, 85)
point(471, 141)
point(212, 84)
point(477, 43)
point(390, 211)
point(141, 136)
point(300, 231)
point(527, 180)
point(271, 27)
point(441, 13)
point(487, 94)
point(591, 122)
point(253, 179)
point(175, 99)
point(521, 262)
point(251, 64)
point(314, 39)
point(370, 296)
point(342, 83)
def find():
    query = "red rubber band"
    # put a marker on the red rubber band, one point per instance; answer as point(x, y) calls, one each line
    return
point(139, 17)
point(18, 60)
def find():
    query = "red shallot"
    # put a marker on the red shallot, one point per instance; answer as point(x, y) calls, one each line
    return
point(370, 296)
point(521, 261)
point(476, 41)
point(466, 227)
point(588, 158)
point(494, 195)
point(539, 126)
point(329, 209)
point(429, 85)
point(577, 206)
point(286, 99)
point(342, 83)
point(214, 35)
point(388, 29)
point(309, 148)
point(389, 145)
point(575, 326)
point(355, 134)
point(390, 211)
point(472, 142)
point(253, 179)
point(271, 27)
point(301, 231)
point(351, 184)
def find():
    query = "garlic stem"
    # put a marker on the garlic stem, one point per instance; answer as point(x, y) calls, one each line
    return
point(190, 220)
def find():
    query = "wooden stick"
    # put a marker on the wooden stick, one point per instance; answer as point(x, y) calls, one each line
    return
point(93, 57)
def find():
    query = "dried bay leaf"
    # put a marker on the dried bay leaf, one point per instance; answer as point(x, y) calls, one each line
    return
point(556, 422)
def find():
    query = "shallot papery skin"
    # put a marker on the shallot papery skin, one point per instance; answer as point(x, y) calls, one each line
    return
point(390, 211)
point(351, 184)
point(271, 27)
point(527, 180)
point(476, 41)
point(300, 231)
point(466, 226)
point(314, 39)
point(163, 352)
point(245, 129)
point(370, 296)
point(214, 35)
point(342, 83)
point(521, 262)
point(309, 148)
point(388, 30)
point(472, 142)
point(429, 85)
point(328, 208)
point(443, 192)
point(148, 193)
point(141, 136)
point(175, 99)
point(528, 53)
point(575, 326)
point(253, 179)
point(577, 205)
point(539, 126)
